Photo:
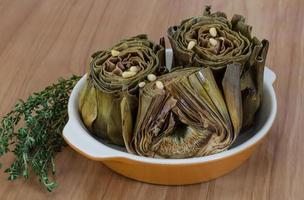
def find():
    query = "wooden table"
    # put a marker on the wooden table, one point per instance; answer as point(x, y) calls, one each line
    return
point(43, 40)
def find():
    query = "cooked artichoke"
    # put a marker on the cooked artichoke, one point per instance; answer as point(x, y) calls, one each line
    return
point(189, 116)
point(108, 102)
point(214, 41)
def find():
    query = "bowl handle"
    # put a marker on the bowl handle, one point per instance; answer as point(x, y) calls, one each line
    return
point(86, 145)
point(269, 76)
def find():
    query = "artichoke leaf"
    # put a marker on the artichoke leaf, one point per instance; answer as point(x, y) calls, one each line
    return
point(104, 121)
point(252, 84)
point(232, 93)
point(258, 68)
point(88, 105)
point(210, 85)
point(82, 95)
point(128, 105)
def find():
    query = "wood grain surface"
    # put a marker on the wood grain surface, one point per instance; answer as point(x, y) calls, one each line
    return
point(43, 40)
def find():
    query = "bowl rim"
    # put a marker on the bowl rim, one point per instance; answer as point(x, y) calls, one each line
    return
point(92, 145)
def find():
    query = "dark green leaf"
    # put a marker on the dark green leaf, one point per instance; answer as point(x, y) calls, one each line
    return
point(33, 132)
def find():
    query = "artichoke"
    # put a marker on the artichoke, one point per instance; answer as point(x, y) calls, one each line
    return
point(211, 40)
point(185, 114)
point(108, 102)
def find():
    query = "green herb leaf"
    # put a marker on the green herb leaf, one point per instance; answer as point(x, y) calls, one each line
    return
point(33, 132)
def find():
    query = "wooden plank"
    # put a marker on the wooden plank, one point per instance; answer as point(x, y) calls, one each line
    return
point(43, 40)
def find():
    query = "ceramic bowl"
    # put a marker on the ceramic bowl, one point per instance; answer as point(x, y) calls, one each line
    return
point(171, 171)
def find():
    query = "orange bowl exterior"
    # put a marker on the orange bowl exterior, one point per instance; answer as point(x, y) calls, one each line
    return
point(175, 174)
point(164, 174)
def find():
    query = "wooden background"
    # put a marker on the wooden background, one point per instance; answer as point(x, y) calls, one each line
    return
point(43, 40)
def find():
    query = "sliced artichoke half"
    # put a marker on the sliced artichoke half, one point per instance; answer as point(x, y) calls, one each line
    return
point(190, 116)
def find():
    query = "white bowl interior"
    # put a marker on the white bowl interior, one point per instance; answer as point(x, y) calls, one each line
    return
point(260, 120)
point(75, 131)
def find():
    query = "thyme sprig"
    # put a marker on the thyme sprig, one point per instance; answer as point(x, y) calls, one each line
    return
point(33, 132)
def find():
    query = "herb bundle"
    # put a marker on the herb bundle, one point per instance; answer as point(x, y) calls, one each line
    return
point(33, 132)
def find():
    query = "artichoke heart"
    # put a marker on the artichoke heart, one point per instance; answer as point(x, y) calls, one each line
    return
point(108, 103)
point(214, 41)
point(190, 116)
